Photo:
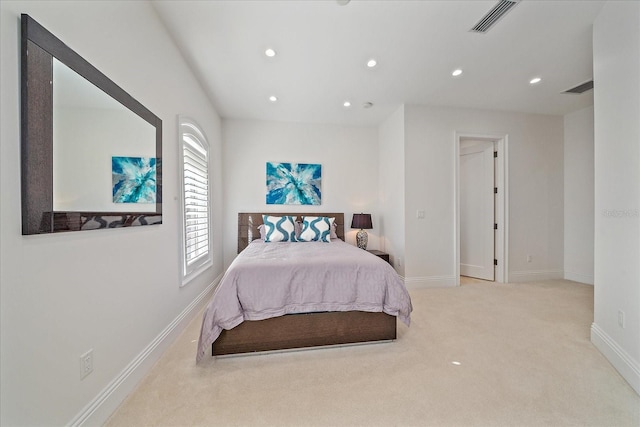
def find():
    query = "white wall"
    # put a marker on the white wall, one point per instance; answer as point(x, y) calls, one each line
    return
point(392, 188)
point(535, 190)
point(349, 159)
point(616, 65)
point(114, 291)
point(578, 196)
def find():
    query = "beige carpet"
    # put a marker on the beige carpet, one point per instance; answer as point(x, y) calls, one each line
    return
point(524, 353)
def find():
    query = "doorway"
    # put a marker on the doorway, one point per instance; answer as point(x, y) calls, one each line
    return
point(481, 195)
point(477, 207)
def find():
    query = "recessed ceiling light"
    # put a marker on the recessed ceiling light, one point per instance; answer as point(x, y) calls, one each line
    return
point(372, 63)
point(535, 80)
point(273, 98)
point(456, 72)
point(347, 104)
point(270, 53)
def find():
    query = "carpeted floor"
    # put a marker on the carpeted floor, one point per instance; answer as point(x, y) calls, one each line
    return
point(524, 357)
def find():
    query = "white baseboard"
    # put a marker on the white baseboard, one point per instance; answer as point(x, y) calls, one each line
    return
point(579, 277)
point(430, 282)
point(617, 356)
point(108, 400)
point(535, 275)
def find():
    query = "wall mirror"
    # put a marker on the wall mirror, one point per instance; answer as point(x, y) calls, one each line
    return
point(91, 155)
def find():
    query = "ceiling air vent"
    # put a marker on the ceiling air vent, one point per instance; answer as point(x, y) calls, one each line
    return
point(581, 88)
point(499, 10)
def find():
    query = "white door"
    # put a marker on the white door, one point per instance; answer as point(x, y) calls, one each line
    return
point(477, 210)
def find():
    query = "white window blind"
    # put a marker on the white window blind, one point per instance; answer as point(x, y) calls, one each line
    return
point(196, 203)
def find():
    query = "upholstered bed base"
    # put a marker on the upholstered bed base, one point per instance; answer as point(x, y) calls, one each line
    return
point(306, 330)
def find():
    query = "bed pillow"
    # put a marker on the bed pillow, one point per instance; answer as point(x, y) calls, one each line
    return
point(279, 229)
point(332, 235)
point(315, 229)
point(298, 227)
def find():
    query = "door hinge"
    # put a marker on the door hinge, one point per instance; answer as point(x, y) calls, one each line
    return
point(495, 154)
point(495, 262)
point(495, 190)
point(495, 226)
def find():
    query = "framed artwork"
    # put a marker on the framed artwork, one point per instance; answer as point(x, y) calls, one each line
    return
point(134, 179)
point(294, 184)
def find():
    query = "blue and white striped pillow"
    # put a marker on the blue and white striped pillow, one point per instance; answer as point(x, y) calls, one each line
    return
point(279, 228)
point(315, 229)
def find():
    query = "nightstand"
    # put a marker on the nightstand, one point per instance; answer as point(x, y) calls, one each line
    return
point(383, 255)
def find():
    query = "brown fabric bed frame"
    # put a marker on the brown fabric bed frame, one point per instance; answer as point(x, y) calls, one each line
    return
point(294, 331)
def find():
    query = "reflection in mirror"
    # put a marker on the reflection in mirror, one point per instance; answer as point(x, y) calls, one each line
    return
point(89, 129)
point(91, 154)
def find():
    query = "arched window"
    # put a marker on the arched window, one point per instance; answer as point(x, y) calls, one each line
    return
point(196, 200)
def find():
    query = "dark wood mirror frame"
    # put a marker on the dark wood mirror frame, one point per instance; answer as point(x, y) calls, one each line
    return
point(39, 47)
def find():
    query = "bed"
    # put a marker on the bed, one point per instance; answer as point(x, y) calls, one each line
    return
point(291, 295)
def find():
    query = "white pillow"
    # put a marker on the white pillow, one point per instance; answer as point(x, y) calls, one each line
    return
point(333, 235)
point(315, 229)
point(279, 229)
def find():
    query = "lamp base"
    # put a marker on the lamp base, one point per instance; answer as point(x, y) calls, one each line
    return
point(362, 238)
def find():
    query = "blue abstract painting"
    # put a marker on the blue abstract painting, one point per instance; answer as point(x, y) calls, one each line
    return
point(134, 179)
point(294, 184)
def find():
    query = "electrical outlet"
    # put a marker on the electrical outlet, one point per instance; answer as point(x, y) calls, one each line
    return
point(86, 364)
point(621, 318)
point(420, 214)
point(529, 258)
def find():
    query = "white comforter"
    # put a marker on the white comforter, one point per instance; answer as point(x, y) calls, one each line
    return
point(273, 279)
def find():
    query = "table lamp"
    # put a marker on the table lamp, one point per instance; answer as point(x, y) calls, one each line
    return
point(362, 221)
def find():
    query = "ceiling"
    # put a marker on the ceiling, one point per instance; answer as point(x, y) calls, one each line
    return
point(322, 49)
